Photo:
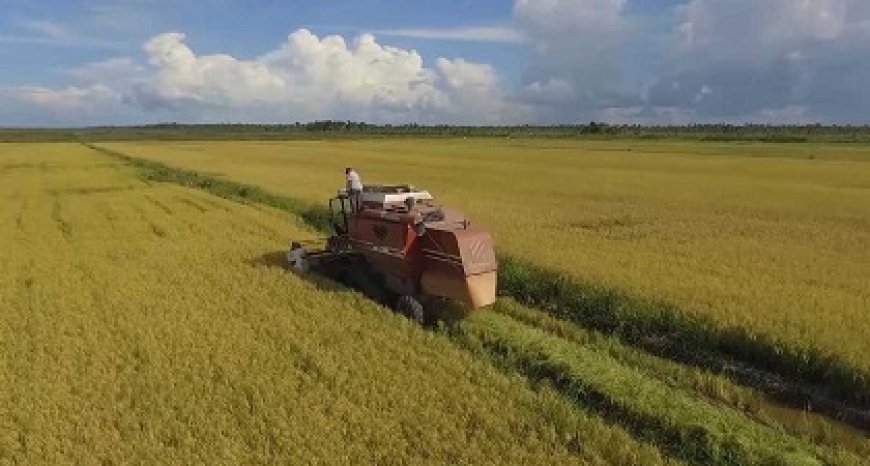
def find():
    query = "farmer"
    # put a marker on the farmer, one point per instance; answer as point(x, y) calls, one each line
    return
point(354, 187)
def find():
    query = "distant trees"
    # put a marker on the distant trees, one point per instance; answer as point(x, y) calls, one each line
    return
point(339, 128)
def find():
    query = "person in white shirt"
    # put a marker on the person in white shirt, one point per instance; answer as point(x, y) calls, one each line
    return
point(354, 187)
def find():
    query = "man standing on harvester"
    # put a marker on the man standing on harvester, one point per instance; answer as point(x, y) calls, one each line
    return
point(354, 187)
point(402, 246)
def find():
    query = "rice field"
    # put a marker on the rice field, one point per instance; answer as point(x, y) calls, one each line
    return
point(770, 238)
point(144, 323)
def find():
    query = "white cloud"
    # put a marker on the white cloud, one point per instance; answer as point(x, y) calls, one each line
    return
point(307, 77)
point(703, 93)
point(579, 60)
point(118, 69)
point(464, 75)
point(502, 34)
point(70, 99)
point(727, 60)
point(331, 74)
point(719, 23)
point(54, 34)
point(43, 106)
point(180, 77)
point(785, 55)
point(477, 94)
point(553, 91)
point(46, 29)
point(546, 18)
point(577, 48)
point(790, 114)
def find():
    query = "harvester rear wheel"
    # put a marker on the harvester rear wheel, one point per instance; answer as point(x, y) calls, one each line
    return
point(411, 308)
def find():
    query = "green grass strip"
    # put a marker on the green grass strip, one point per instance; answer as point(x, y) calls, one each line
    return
point(677, 421)
point(663, 329)
point(716, 388)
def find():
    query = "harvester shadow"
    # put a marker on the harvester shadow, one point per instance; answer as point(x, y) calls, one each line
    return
point(440, 313)
point(788, 393)
point(278, 259)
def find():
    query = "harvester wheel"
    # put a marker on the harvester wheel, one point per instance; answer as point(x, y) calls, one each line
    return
point(411, 308)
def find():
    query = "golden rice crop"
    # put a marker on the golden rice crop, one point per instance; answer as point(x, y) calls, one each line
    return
point(771, 238)
point(142, 323)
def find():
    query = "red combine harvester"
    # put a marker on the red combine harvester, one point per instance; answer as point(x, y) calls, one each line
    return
point(402, 249)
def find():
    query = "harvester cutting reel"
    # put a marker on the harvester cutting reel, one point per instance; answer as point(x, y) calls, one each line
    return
point(351, 269)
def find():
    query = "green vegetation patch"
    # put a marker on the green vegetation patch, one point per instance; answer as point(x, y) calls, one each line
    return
point(676, 420)
point(661, 328)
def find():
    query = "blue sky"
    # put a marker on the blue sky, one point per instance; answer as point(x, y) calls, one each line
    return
point(239, 28)
point(494, 61)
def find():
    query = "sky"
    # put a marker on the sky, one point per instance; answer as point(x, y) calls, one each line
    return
point(97, 62)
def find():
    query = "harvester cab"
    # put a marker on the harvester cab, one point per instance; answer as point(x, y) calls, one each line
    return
point(339, 208)
point(400, 247)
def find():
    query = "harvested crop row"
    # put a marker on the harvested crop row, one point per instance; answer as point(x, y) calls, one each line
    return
point(676, 419)
point(719, 389)
point(157, 332)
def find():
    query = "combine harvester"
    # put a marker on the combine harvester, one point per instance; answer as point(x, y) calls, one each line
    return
point(402, 249)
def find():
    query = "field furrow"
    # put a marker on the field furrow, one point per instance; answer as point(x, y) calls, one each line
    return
point(696, 430)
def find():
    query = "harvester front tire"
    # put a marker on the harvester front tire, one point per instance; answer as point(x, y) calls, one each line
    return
point(411, 308)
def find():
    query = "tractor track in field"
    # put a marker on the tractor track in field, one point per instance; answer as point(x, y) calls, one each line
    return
point(19, 218)
point(669, 416)
point(157, 230)
point(63, 225)
point(193, 205)
point(160, 205)
point(788, 392)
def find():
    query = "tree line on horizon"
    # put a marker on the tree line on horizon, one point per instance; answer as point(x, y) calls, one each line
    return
point(336, 128)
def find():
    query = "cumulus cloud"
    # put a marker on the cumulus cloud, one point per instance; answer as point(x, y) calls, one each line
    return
point(40, 105)
point(578, 60)
point(726, 60)
point(547, 21)
point(576, 47)
point(70, 99)
point(49, 33)
point(745, 60)
point(179, 77)
point(307, 77)
point(363, 74)
point(113, 70)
